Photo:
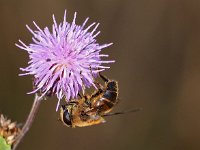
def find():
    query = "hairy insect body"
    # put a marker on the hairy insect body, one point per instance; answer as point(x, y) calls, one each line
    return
point(76, 114)
point(104, 100)
point(90, 110)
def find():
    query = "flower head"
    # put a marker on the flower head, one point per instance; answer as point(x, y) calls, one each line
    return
point(65, 60)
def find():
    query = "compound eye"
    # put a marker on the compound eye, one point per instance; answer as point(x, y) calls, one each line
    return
point(67, 118)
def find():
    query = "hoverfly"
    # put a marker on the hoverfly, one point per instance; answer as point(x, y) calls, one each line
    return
point(91, 109)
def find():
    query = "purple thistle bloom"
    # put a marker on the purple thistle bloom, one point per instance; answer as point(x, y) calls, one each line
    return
point(64, 61)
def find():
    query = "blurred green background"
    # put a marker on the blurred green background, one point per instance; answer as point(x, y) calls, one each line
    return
point(157, 53)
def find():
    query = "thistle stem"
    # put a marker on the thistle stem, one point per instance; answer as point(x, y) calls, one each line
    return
point(29, 120)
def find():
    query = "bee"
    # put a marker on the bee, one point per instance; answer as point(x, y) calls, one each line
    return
point(91, 109)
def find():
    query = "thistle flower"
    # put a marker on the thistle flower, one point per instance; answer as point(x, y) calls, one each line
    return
point(64, 61)
point(8, 130)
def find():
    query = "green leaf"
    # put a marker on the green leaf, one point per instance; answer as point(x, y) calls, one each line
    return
point(3, 144)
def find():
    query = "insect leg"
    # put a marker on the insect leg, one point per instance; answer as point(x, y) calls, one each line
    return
point(104, 78)
point(99, 86)
point(80, 95)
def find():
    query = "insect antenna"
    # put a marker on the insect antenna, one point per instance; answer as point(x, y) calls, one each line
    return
point(123, 112)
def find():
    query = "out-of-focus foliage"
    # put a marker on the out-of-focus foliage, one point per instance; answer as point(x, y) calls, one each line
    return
point(4, 145)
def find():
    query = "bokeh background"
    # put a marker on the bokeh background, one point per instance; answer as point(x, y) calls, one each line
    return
point(157, 53)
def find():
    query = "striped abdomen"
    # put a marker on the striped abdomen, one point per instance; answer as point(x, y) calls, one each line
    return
point(108, 99)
